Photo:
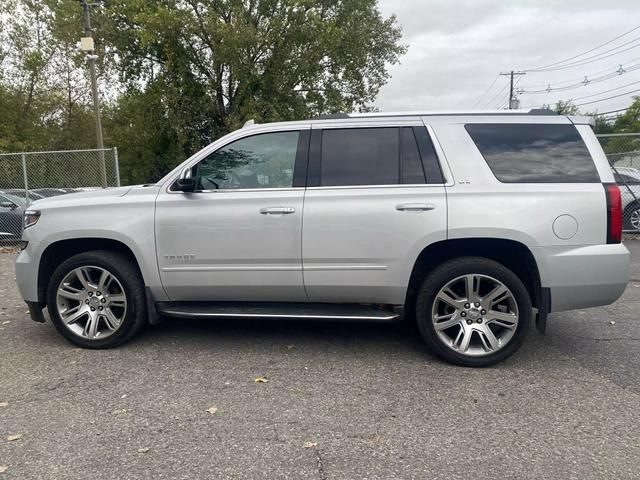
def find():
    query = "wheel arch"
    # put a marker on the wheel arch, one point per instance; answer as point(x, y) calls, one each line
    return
point(57, 252)
point(512, 254)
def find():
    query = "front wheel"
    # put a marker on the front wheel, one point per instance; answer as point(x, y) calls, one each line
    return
point(473, 311)
point(96, 299)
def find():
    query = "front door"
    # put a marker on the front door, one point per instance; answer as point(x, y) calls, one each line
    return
point(238, 236)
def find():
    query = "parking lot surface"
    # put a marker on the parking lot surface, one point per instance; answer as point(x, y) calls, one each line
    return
point(341, 401)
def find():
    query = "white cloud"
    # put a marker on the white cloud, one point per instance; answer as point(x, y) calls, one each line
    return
point(456, 48)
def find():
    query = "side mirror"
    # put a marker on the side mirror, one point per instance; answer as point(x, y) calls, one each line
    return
point(8, 204)
point(186, 183)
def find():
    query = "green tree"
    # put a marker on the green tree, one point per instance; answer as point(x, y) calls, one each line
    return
point(188, 71)
point(629, 121)
point(564, 107)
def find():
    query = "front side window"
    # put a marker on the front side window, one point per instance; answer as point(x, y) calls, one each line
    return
point(262, 161)
point(534, 153)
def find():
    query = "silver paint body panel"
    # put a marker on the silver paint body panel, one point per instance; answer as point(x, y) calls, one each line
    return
point(342, 244)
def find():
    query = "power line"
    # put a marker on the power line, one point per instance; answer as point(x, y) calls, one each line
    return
point(613, 111)
point(506, 102)
point(593, 101)
point(592, 59)
point(486, 92)
point(588, 51)
point(593, 94)
point(609, 70)
point(607, 98)
point(606, 91)
point(497, 95)
point(511, 75)
point(585, 81)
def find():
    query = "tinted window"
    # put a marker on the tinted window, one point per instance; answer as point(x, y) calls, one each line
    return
point(360, 156)
point(412, 171)
point(260, 161)
point(429, 158)
point(534, 153)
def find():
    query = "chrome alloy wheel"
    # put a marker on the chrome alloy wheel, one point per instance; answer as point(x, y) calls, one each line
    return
point(91, 302)
point(475, 315)
point(634, 219)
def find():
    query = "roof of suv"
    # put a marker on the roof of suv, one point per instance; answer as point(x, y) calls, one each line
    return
point(552, 116)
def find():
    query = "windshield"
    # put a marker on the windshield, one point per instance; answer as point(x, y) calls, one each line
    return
point(21, 202)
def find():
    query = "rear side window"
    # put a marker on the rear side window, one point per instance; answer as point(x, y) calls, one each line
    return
point(534, 153)
point(376, 156)
point(360, 156)
point(411, 163)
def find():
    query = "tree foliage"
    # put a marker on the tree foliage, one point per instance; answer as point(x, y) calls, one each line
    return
point(176, 74)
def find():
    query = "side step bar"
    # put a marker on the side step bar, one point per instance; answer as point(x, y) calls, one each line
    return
point(305, 311)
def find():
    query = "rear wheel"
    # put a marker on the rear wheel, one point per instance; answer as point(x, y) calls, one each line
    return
point(473, 311)
point(96, 299)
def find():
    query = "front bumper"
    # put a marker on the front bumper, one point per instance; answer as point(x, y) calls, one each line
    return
point(26, 269)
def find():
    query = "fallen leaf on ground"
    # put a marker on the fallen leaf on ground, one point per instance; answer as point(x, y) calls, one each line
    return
point(3, 468)
point(12, 438)
point(6, 322)
point(309, 444)
point(143, 450)
point(119, 412)
point(212, 409)
point(261, 380)
point(4, 404)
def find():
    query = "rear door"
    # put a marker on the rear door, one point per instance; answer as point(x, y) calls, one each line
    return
point(375, 198)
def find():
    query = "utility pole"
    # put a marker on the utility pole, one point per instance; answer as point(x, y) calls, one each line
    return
point(87, 45)
point(513, 102)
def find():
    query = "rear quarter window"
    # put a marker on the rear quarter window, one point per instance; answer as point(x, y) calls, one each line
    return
point(534, 153)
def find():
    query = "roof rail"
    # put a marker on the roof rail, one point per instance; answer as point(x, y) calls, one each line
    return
point(331, 116)
point(542, 111)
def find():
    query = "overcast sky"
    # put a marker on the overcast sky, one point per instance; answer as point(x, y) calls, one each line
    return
point(457, 47)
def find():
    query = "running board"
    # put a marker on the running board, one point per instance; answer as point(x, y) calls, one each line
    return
point(305, 311)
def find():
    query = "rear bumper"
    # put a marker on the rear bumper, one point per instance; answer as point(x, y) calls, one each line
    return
point(583, 277)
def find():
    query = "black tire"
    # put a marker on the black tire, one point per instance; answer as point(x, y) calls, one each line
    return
point(449, 271)
point(129, 277)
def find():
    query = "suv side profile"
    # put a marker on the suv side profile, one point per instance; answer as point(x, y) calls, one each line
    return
point(473, 225)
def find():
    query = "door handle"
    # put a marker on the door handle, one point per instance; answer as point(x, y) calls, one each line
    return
point(415, 207)
point(277, 210)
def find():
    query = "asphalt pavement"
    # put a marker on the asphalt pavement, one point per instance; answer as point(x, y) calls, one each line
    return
point(341, 401)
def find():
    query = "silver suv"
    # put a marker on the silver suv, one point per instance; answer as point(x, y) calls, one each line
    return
point(472, 225)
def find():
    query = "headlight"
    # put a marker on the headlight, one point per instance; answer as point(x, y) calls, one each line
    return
point(31, 217)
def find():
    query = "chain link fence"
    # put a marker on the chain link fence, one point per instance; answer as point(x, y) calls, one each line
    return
point(29, 176)
point(623, 152)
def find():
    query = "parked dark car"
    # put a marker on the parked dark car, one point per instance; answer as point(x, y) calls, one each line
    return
point(18, 192)
point(11, 211)
point(53, 192)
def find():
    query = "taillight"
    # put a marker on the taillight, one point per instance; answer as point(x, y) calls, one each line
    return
point(614, 213)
